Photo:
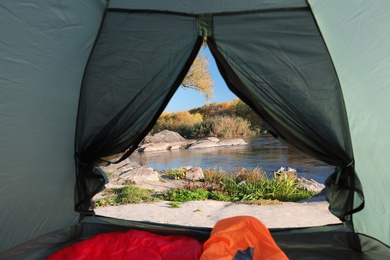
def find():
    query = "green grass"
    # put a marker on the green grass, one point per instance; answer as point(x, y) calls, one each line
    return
point(177, 174)
point(183, 195)
point(174, 205)
point(241, 185)
point(126, 195)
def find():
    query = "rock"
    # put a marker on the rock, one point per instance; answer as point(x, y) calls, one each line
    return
point(288, 170)
point(150, 139)
point(128, 171)
point(187, 168)
point(154, 147)
point(175, 147)
point(311, 185)
point(203, 144)
point(212, 139)
point(231, 142)
point(164, 136)
point(140, 175)
point(195, 174)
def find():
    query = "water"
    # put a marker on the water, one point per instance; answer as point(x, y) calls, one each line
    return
point(263, 152)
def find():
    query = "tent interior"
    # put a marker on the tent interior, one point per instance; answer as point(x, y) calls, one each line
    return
point(84, 80)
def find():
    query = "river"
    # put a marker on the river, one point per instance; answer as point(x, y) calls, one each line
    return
point(263, 152)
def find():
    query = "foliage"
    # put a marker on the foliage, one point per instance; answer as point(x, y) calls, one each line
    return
point(174, 204)
point(183, 195)
point(125, 195)
point(225, 119)
point(216, 109)
point(199, 77)
point(177, 174)
point(252, 186)
point(244, 111)
point(246, 185)
point(175, 121)
point(228, 126)
point(243, 185)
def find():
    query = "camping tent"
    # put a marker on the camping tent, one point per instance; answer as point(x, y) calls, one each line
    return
point(82, 80)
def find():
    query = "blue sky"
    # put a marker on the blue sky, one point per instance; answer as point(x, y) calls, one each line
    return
point(185, 99)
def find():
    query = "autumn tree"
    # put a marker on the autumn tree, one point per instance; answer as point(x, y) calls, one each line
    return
point(199, 77)
point(244, 111)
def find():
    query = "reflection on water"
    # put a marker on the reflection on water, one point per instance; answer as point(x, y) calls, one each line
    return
point(263, 152)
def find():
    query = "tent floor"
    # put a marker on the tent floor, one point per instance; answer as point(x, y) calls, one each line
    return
point(327, 242)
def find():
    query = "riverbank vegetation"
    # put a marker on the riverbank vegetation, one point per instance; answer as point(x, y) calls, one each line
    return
point(225, 119)
point(242, 185)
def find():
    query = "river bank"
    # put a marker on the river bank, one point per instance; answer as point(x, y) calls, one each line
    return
point(306, 213)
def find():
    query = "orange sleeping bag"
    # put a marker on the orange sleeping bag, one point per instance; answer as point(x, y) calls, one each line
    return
point(241, 237)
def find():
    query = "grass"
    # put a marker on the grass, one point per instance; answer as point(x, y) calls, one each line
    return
point(129, 194)
point(177, 174)
point(242, 185)
point(174, 205)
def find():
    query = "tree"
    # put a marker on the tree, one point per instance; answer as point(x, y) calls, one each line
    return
point(199, 77)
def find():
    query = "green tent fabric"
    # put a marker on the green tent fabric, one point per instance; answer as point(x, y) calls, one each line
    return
point(81, 81)
point(44, 48)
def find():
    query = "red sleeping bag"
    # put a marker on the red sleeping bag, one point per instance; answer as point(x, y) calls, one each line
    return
point(132, 244)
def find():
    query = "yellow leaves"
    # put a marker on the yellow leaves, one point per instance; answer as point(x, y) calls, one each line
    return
point(174, 120)
point(199, 77)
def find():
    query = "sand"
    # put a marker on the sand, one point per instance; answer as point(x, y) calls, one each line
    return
point(308, 213)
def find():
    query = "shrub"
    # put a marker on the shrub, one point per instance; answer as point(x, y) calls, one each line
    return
point(228, 126)
point(177, 174)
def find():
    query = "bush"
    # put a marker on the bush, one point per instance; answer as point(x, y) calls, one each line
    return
point(246, 185)
point(177, 174)
point(228, 126)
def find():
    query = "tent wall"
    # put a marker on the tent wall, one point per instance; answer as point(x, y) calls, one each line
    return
point(138, 62)
point(44, 46)
point(357, 34)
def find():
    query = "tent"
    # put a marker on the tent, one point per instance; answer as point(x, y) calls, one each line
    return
point(83, 80)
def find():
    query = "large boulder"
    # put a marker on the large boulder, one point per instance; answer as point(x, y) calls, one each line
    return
point(195, 174)
point(164, 136)
point(127, 172)
point(154, 147)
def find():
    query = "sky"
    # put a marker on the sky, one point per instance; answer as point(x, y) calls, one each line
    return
point(185, 99)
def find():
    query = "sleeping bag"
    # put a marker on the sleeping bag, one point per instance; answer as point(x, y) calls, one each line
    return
point(239, 238)
point(132, 245)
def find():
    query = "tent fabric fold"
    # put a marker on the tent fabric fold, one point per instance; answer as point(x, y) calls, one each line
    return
point(288, 78)
point(129, 80)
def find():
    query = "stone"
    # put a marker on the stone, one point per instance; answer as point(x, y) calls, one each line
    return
point(128, 171)
point(232, 142)
point(154, 147)
point(203, 144)
point(175, 147)
point(140, 175)
point(195, 174)
point(310, 185)
point(164, 136)
point(212, 139)
point(288, 170)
